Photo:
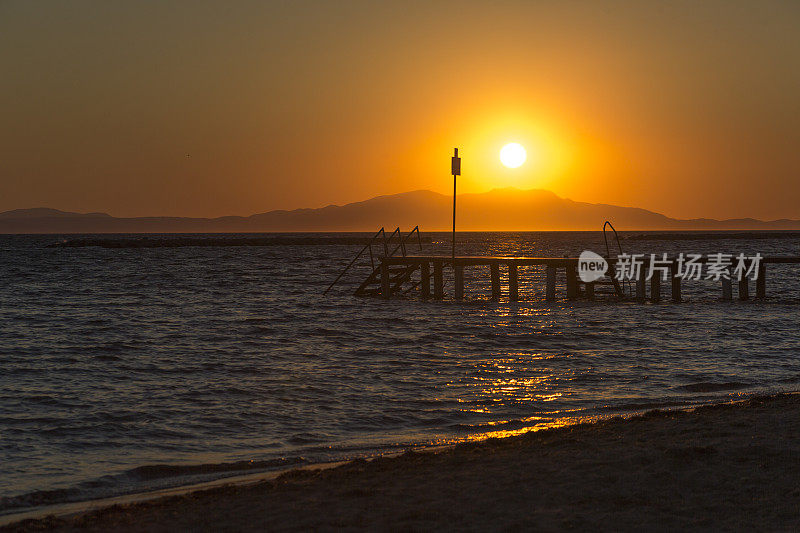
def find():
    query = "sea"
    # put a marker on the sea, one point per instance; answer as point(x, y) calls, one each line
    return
point(124, 370)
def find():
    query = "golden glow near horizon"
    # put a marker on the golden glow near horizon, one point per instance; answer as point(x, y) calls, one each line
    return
point(281, 106)
point(513, 155)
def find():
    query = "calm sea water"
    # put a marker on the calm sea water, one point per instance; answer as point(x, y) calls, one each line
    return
point(128, 369)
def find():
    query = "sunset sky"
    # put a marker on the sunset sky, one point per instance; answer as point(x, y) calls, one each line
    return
point(686, 108)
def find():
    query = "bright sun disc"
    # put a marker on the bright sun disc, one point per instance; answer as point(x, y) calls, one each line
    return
point(513, 155)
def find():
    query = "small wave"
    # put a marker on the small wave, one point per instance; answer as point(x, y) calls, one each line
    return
point(44, 399)
point(495, 426)
point(307, 438)
point(711, 386)
point(141, 478)
point(148, 472)
point(107, 357)
point(39, 497)
point(640, 406)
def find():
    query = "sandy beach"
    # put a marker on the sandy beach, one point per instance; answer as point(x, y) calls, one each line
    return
point(725, 467)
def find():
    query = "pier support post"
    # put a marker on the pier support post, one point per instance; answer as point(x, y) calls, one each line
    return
point(655, 288)
point(513, 282)
point(425, 279)
point(727, 288)
point(761, 281)
point(495, 266)
point(550, 288)
point(590, 290)
point(676, 282)
point(641, 288)
point(744, 288)
point(572, 282)
point(459, 281)
point(385, 289)
point(438, 280)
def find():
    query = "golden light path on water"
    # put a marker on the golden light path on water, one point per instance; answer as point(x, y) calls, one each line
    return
point(551, 424)
point(537, 390)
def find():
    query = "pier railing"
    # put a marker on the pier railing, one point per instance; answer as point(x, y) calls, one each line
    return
point(380, 238)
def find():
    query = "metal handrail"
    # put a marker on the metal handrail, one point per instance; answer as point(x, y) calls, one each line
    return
point(419, 239)
point(385, 244)
point(605, 238)
point(619, 246)
point(371, 257)
point(386, 241)
point(401, 246)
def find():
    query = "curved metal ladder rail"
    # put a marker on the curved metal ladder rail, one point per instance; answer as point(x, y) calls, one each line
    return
point(626, 283)
point(368, 246)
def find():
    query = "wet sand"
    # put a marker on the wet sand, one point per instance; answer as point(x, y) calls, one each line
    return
point(729, 467)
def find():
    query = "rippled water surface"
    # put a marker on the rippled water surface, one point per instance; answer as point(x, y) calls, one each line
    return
point(127, 369)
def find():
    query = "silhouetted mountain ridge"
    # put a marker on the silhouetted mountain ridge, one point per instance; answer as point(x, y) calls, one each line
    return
point(497, 210)
point(46, 212)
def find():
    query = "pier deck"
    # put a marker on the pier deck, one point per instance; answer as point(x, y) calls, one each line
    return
point(393, 272)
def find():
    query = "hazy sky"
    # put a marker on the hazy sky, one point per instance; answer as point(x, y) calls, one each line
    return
point(687, 108)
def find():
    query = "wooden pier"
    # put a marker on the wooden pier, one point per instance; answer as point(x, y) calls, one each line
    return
point(394, 276)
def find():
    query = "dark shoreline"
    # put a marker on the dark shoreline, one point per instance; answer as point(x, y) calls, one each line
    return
point(179, 242)
point(719, 467)
point(184, 241)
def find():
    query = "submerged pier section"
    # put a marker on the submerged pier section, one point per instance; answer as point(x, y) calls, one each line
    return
point(394, 276)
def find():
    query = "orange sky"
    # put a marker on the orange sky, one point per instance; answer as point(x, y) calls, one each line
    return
point(686, 108)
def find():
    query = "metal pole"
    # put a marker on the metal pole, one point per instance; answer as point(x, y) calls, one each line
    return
point(454, 216)
point(455, 167)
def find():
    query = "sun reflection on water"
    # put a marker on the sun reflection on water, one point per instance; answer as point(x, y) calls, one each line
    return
point(513, 379)
point(549, 424)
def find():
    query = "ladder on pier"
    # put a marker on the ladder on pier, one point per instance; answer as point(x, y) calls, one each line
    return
point(609, 284)
point(399, 275)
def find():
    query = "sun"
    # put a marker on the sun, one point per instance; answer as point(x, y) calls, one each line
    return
point(513, 155)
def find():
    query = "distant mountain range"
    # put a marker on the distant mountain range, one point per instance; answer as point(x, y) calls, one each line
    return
point(497, 210)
